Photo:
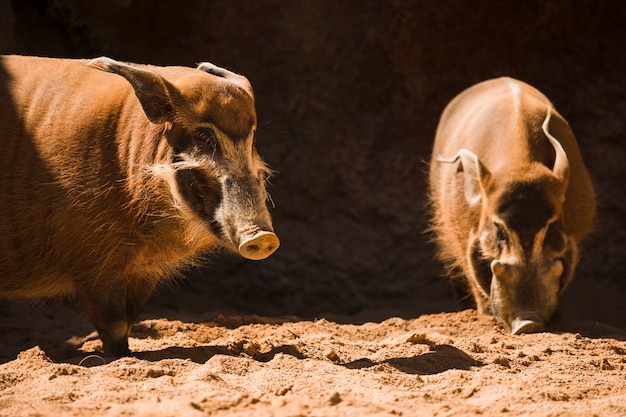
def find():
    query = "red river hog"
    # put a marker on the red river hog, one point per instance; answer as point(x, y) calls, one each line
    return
point(117, 175)
point(511, 200)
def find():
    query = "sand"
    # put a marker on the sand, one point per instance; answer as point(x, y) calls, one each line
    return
point(447, 364)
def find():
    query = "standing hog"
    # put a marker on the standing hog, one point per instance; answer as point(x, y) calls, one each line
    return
point(115, 176)
point(511, 199)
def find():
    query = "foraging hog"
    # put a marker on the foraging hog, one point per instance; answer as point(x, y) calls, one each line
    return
point(115, 176)
point(511, 199)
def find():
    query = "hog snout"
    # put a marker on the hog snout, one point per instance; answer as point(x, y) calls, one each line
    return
point(258, 244)
point(526, 322)
point(523, 295)
point(244, 218)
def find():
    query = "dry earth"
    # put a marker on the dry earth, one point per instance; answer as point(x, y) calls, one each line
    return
point(332, 80)
point(448, 364)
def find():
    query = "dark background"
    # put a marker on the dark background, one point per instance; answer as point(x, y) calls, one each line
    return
point(348, 96)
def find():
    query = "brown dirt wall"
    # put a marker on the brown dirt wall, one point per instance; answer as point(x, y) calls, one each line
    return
point(349, 94)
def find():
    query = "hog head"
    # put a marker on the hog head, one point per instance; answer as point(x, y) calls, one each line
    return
point(216, 177)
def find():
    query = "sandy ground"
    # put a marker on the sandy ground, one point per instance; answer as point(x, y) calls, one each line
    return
point(448, 364)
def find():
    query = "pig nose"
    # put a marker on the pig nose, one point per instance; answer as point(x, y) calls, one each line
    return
point(259, 245)
point(526, 323)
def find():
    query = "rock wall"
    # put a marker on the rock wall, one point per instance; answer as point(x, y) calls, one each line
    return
point(348, 95)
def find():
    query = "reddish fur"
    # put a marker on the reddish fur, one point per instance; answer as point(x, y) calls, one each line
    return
point(83, 210)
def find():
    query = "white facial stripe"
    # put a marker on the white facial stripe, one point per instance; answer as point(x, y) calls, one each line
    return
point(537, 252)
point(538, 244)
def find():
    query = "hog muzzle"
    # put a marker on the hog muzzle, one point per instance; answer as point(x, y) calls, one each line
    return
point(526, 323)
point(258, 245)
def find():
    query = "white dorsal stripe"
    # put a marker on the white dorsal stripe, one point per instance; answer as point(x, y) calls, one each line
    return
point(517, 96)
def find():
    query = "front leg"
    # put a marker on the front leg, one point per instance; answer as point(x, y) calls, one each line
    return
point(137, 295)
point(114, 311)
point(107, 307)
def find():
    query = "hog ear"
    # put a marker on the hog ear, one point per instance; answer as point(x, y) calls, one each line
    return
point(561, 163)
point(476, 175)
point(150, 88)
point(240, 80)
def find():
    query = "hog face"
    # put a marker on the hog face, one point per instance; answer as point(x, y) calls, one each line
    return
point(522, 258)
point(220, 184)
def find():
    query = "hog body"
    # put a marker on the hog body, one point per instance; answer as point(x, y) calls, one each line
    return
point(115, 176)
point(511, 200)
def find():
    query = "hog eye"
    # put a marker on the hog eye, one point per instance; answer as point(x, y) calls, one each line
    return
point(206, 137)
point(554, 239)
point(501, 236)
point(495, 240)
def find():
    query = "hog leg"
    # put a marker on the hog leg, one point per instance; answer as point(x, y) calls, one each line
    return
point(136, 297)
point(107, 309)
point(114, 313)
